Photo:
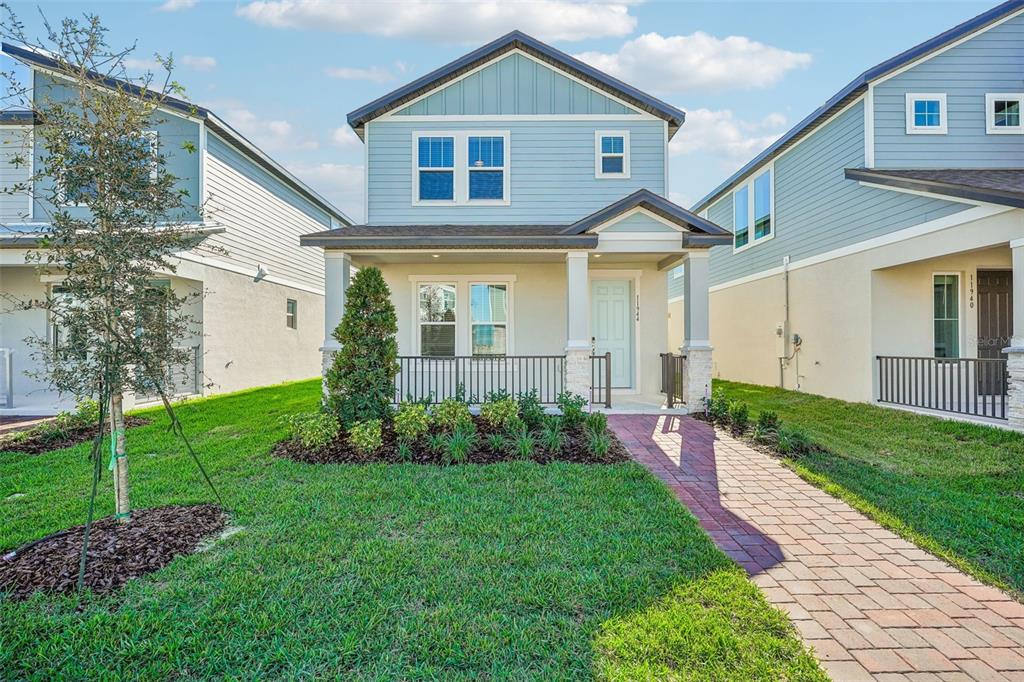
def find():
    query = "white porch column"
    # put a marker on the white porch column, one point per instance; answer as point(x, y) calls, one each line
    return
point(1015, 353)
point(337, 273)
point(696, 330)
point(577, 320)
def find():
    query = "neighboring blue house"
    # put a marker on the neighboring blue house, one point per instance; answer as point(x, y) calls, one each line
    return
point(261, 309)
point(878, 250)
point(515, 204)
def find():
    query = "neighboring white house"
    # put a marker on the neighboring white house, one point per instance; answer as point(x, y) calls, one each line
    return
point(878, 250)
point(515, 205)
point(261, 312)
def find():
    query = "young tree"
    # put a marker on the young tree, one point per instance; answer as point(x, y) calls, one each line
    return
point(115, 221)
point(361, 380)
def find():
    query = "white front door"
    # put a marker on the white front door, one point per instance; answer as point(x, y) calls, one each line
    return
point(611, 319)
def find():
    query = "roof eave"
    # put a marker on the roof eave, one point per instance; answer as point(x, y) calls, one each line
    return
point(942, 189)
point(328, 241)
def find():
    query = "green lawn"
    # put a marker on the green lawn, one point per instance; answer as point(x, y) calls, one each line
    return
point(955, 489)
point(508, 571)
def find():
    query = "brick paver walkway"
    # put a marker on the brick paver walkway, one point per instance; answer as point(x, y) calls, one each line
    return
point(872, 605)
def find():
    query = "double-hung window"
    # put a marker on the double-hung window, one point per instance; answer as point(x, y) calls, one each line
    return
point(741, 217)
point(488, 318)
point(435, 168)
point(753, 206)
point(486, 168)
point(1003, 113)
point(926, 113)
point(291, 313)
point(437, 319)
point(946, 311)
point(611, 154)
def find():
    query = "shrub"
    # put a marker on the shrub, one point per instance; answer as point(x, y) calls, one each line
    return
point(768, 421)
point(552, 422)
point(435, 442)
point(459, 444)
point(599, 444)
point(524, 445)
point(314, 430)
point(552, 439)
point(404, 451)
point(739, 416)
point(572, 406)
point(496, 442)
point(496, 396)
point(596, 422)
point(411, 422)
point(717, 407)
point(365, 436)
point(530, 409)
point(87, 411)
point(793, 441)
point(515, 426)
point(451, 414)
point(360, 381)
point(500, 412)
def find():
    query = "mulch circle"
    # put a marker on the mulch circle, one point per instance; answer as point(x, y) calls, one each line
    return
point(118, 552)
point(38, 445)
point(341, 452)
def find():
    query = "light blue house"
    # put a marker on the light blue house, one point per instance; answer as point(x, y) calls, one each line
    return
point(262, 295)
point(515, 204)
point(878, 249)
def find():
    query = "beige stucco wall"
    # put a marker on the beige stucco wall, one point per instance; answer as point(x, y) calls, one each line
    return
point(675, 325)
point(851, 308)
point(539, 307)
point(21, 283)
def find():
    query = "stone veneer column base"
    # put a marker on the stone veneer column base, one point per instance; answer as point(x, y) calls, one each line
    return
point(696, 377)
point(577, 371)
point(1015, 387)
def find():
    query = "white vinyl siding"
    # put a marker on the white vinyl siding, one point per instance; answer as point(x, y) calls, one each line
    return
point(15, 145)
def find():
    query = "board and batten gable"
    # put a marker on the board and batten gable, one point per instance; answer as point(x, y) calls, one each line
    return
point(15, 169)
point(817, 209)
point(263, 218)
point(991, 61)
point(174, 133)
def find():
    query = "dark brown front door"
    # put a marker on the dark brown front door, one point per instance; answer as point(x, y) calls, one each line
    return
point(995, 322)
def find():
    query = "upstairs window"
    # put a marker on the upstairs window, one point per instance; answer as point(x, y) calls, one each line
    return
point(1003, 113)
point(77, 183)
point(753, 206)
point(763, 205)
point(612, 154)
point(926, 113)
point(435, 168)
point(741, 218)
point(486, 168)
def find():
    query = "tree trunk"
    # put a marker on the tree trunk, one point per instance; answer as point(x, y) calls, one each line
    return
point(122, 508)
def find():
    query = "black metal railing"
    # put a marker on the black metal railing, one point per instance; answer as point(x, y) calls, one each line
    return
point(601, 379)
point(672, 367)
point(181, 379)
point(473, 378)
point(970, 386)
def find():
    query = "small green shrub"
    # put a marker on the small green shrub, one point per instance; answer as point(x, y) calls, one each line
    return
point(496, 442)
point(496, 396)
point(739, 416)
point(793, 441)
point(768, 421)
point(552, 422)
point(515, 426)
point(530, 409)
point(458, 445)
point(87, 411)
point(599, 444)
point(499, 413)
point(524, 445)
point(596, 422)
point(404, 451)
point(411, 422)
point(552, 440)
point(435, 442)
point(314, 430)
point(451, 414)
point(717, 407)
point(365, 436)
point(572, 406)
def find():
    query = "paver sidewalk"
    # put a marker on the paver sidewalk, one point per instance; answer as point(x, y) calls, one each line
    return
point(872, 605)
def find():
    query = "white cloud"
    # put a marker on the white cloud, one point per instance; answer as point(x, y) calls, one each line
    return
point(346, 138)
point(722, 135)
point(449, 21)
point(271, 135)
point(341, 184)
point(138, 64)
point(697, 62)
point(175, 5)
point(199, 63)
point(375, 74)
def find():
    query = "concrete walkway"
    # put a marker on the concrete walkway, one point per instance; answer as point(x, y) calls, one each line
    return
point(872, 605)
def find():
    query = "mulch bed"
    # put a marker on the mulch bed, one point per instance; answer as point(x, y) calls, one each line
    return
point(117, 552)
point(341, 452)
point(38, 444)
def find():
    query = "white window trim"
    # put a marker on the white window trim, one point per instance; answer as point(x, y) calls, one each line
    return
point(749, 185)
point(598, 155)
point(291, 320)
point(959, 310)
point(463, 322)
point(469, 316)
point(990, 103)
point(461, 170)
point(926, 130)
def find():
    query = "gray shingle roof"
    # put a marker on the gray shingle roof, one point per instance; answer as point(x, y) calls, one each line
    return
point(1004, 186)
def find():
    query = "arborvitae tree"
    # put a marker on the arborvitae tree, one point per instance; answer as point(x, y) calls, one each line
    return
point(361, 380)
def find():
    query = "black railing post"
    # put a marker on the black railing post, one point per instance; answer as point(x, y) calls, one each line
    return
point(608, 380)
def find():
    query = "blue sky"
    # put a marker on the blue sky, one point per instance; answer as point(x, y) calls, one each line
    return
point(286, 72)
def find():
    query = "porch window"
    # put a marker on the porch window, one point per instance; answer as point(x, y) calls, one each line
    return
point(437, 319)
point(741, 218)
point(946, 308)
point(489, 318)
point(926, 113)
point(1003, 113)
point(612, 154)
point(486, 168)
point(435, 168)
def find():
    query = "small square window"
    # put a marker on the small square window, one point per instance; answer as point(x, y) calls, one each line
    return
point(291, 314)
point(926, 113)
point(611, 150)
point(1003, 113)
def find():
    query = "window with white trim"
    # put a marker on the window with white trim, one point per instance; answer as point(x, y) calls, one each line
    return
point(461, 168)
point(78, 181)
point(291, 313)
point(486, 167)
point(488, 318)
point(754, 207)
point(436, 319)
point(946, 314)
point(611, 154)
point(435, 168)
point(1003, 113)
point(926, 113)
